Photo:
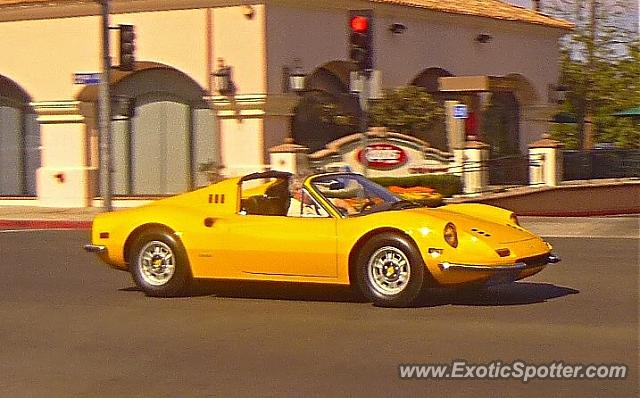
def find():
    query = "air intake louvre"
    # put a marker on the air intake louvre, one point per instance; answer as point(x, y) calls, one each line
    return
point(480, 232)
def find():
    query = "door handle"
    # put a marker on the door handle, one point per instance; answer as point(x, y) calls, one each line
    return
point(209, 221)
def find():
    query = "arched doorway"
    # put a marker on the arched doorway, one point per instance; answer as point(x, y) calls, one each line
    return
point(327, 110)
point(19, 141)
point(501, 124)
point(172, 134)
point(428, 79)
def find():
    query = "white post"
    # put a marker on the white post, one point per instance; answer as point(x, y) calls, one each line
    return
point(476, 172)
point(289, 157)
point(547, 153)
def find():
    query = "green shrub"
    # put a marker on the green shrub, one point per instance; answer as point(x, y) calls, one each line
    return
point(429, 201)
point(445, 184)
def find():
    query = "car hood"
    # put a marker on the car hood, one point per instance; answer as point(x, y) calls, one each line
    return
point(491, 230)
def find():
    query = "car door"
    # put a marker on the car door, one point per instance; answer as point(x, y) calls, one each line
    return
point(281, 245)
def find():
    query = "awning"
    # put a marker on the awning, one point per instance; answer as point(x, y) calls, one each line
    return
point(631, 112)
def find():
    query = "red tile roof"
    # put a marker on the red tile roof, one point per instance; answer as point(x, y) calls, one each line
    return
point(482, 8)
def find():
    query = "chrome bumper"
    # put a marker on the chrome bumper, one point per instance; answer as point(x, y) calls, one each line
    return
point(551, 258)
point(94, 248)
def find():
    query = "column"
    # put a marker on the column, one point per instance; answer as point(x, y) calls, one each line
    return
point(545, 162)
point(475, 168)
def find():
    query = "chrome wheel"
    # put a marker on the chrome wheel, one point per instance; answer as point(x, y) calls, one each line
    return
point(389, 270)
point(156, 263)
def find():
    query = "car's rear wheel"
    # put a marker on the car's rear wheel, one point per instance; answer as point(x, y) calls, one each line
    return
point(390, 271)
point(159, 265)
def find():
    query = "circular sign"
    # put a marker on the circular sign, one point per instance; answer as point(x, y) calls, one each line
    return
point(382, 156)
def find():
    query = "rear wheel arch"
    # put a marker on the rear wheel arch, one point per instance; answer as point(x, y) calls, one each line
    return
point(133, 236)
point(158, 261)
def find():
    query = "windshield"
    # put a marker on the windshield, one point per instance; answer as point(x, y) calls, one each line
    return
point(353, 194)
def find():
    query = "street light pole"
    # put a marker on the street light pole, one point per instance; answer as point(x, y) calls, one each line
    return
point(104, 113)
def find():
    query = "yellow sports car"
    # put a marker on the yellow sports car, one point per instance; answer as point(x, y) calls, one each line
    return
point(336, 228)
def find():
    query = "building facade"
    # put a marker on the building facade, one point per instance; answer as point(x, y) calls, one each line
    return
point(470, 51)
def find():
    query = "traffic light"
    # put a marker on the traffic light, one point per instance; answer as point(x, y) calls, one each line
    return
point(127, 47)
point(361, 39)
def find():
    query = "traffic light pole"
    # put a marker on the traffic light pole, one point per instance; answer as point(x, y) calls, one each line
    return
point(104, 113)
point(364, 118)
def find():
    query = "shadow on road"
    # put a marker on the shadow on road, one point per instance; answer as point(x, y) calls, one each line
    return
point(518, 293)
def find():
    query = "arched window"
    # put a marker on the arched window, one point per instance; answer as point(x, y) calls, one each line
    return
point(161, 149)
point(19, 141)
point(327, 111)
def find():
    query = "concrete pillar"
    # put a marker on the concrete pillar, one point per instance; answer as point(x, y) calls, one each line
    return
point(290, 157)
point(587, 143)
point(475, 170)
point(66, 176)
point(457, 167)
point(545, 162)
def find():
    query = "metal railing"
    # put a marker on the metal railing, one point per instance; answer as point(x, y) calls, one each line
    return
point(509, 170)
point(601, 163)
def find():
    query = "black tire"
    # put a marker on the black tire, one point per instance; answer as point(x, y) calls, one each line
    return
point(399, 277)
point(171, 276)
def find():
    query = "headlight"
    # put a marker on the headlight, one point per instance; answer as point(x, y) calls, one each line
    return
point(514, 219)
point(450, 235)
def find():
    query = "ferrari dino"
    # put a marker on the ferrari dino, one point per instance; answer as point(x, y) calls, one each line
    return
point(334, 228)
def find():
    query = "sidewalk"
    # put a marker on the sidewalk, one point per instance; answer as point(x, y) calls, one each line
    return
point(628, 227)
point(34, 217)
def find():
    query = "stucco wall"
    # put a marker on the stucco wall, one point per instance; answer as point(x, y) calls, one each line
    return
point(42, 55)
point(239, 40)
point(316, 36)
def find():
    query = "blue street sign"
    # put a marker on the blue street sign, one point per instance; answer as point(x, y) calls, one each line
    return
point(460, 112)
point(87, 78)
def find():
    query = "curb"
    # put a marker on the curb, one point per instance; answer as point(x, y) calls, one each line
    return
point(581, 213)
point(45, 224)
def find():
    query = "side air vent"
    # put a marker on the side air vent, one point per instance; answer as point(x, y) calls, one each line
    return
point(480, 232)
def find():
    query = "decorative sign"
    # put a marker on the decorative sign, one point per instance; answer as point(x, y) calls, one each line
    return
point(382, 156)
point(460, 112)
point(87, 78)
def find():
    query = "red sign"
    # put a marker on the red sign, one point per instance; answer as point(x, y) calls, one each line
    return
point(382, 156)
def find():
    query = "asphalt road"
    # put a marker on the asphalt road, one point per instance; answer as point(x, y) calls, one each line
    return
point(71, 327)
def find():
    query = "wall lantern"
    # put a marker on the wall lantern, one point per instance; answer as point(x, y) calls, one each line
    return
point(248, 11)
point(561, 93)
point(122, 107)
point(557, 93)
point(484, 38)
point(223, 80)
point(397, 28)
point(294, 78)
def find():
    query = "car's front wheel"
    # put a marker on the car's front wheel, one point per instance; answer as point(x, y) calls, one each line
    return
point(159, 265)
point(390, 271)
